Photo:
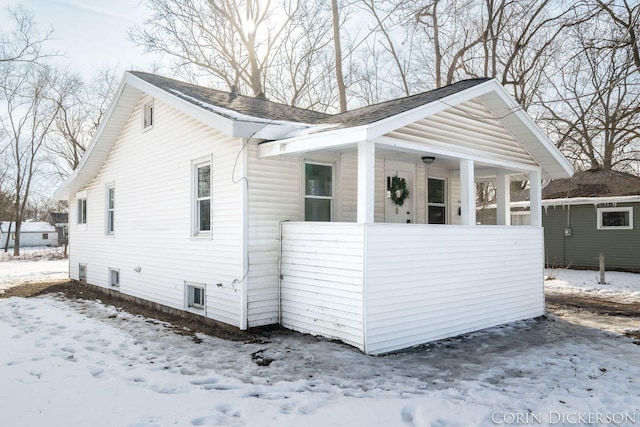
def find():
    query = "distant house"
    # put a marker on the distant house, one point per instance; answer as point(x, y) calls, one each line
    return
point(31, 234)
point(60, 220)
point(595, 211)
point(359, 226)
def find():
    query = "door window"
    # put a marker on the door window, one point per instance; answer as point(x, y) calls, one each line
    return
point(436, 201)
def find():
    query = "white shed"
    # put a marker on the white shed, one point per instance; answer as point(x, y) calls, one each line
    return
point(31, 234)
point(358, 226)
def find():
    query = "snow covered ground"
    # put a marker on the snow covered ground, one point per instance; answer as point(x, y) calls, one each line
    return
point(81, 363)
point(619, 286)
point(50, 267)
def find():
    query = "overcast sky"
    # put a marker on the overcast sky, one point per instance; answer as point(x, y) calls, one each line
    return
point(91, 34)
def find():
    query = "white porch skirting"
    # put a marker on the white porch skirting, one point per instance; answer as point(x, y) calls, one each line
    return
point(384, 287)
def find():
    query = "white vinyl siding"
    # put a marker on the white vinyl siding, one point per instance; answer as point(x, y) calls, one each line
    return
point(154, 174)
point(322, 280)
point(457, 130)
point(274, 189)
point(383, 287)
point(474, 278)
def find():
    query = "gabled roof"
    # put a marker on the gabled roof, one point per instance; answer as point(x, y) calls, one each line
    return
point(383, 110)
point(247, 117)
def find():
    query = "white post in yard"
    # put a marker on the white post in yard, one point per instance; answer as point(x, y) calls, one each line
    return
point(366, 181)
point(503, 199)
point(535, 197)
point(467, 192)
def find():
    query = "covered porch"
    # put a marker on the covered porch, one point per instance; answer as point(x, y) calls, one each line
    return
point(385, 280)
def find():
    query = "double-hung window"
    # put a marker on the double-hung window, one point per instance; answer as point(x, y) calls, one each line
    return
point(436, 201)
point(318, 199)
point(202, 198)
point(111, 209)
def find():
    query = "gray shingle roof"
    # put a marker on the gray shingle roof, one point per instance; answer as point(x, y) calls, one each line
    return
point(270, 110)
point(247, 105)
point(589, 183)
point(383, 110)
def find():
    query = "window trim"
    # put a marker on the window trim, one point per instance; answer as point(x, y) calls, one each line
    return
point(440, 205)
point(331, 198)
point(112, 283)
point(148, 115)
point(195, 204)
point(110, 210)
point(628, 209)
point(189, 297)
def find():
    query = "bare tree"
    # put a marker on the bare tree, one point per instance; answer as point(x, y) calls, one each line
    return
point(30, 112)
point(81, 108)
point(595, 116)
point(229, 41)
point(342, 92)
point(626, 16)
point(24, 42)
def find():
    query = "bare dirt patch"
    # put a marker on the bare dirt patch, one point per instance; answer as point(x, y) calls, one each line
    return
point(183, 325)
point(594, 305)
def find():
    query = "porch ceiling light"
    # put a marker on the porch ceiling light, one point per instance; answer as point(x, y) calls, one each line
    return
point(427, 160)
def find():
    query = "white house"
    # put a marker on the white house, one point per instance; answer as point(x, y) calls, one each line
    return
point(31, 234)
point(358, 226)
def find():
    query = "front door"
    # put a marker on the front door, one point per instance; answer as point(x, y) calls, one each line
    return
point(398, 197)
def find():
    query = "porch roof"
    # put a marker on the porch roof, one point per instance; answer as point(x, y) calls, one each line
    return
point(473, 119)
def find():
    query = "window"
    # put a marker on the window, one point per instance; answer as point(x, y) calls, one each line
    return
point(436, 201)
point(45, 236)
point(114, 278)
point(615, 218)
point(195, 295)
point(318, 199)
point(82, 272)
point(148, 115)
point(202, 209)
point(82, 211)
point(111, 210)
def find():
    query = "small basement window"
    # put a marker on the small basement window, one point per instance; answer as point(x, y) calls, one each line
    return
point(195, 295)
point(615, 218)
point(82, 272)
point(114, 278)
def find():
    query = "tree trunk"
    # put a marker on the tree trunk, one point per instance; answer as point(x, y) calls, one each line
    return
point(342, 91)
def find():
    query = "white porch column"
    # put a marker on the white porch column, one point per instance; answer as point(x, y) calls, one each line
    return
point(467, 192)
point(503, 199)
point(535, 197)
point(366, 181)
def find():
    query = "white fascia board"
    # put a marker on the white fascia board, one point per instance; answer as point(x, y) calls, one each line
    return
point(566, 169)
point(313, 142)
point(398, 121)
point(477, 156)
point(87, 165)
